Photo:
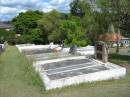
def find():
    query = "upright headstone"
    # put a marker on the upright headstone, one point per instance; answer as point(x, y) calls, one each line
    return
point(62, 44)
point(5, 44)
point(101, 52)
point(51, 46)
point(73, 49)
point(1, 49)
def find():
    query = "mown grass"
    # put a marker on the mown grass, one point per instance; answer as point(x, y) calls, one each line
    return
point(17, 75)
point(18, 79)
point(119, 59)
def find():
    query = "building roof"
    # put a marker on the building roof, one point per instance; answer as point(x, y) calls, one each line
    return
point(5, 25)
point(109, 37)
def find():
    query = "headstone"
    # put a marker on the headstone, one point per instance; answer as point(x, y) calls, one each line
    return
point(62, 44)
point(1, 48)
point(73, 49)
point(51, 46)
point(101, 52)
point(5, 44)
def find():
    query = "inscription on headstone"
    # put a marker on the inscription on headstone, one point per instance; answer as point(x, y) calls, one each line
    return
point(101, 52)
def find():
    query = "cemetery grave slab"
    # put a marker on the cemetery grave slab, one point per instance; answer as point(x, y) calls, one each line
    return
point(74, 71)
point(59, 69)
point(48, 56)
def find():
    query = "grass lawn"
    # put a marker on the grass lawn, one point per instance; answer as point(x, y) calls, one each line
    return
point(18, 79)
point(123, 51)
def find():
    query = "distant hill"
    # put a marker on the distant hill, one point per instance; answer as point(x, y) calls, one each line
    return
point(5, 25)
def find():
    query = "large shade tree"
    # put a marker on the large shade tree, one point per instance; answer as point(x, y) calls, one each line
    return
point(49, 25)
point(74, 33)
point(26, 21)
point(118, 11)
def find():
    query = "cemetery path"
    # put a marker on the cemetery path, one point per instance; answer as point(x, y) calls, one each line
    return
point(18, 80)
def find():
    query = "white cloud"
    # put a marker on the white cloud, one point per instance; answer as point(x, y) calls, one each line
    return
point(17, 2)
point(57, 1)
point(47, 8)
point(8, 10)
point(11, 8)
point(61, 5)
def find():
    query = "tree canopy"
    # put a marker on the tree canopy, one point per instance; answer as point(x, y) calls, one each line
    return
point(26, 21)
point(7, 36)
point(86, 21)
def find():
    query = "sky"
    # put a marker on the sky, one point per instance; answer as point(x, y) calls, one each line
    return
point(11, 8)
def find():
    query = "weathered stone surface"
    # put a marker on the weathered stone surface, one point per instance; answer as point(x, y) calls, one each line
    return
point(73, 49)
point(101, 51)
point(71, 70)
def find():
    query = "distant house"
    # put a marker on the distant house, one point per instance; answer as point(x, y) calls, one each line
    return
point(5, 25)
point(125, 41)
point(113, 38)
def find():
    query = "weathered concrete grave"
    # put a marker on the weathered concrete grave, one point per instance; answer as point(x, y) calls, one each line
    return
point(76, 70)
point(64, 70)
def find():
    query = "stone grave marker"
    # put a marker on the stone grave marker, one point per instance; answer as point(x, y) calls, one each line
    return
point(73, 49)
point(101, 51)
point(1, 48)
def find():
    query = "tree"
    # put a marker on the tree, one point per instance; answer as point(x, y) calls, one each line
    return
point(7, 36)
point(27, 21)
point(49, 24)
point(57, 36)
point(84, 10)
point(73, 33)
point(118, 10)
point(37, 36)
point(26, 25)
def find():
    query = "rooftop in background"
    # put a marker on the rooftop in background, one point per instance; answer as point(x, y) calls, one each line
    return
point(109, 37)
point(5, 25)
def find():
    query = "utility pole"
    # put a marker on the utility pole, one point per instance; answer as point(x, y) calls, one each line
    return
point(118, 40)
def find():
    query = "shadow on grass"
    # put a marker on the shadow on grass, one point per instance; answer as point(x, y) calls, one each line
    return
point(118, 58)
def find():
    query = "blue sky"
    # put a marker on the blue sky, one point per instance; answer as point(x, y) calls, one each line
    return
point(11, 8)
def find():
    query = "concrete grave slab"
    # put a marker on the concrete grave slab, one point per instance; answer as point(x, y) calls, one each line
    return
point(58, 74)
point(62, 69)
